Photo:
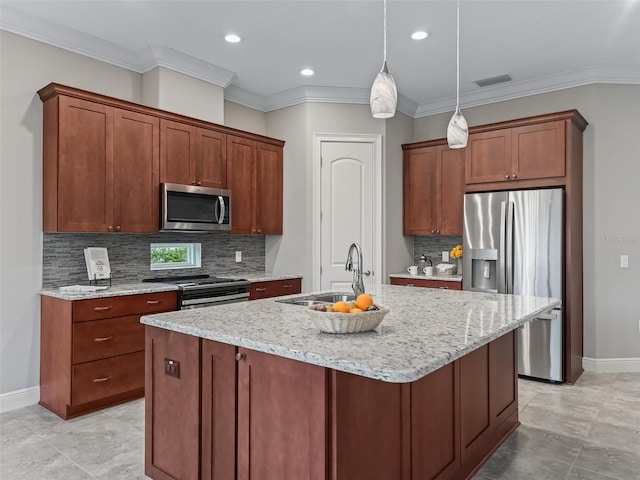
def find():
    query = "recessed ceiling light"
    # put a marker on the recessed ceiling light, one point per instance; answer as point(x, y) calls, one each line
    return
point(419, 35)
point(232, 38)
point(307, 72)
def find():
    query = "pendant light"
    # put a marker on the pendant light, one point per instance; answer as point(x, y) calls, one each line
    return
point(457, 131)
point(384, 94)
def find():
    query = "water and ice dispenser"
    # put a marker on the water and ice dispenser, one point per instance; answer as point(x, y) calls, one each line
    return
point(484, 274)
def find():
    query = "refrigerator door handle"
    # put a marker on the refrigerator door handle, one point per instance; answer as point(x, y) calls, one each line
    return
point(501, 270)
point(545, 316)
point(509, 249)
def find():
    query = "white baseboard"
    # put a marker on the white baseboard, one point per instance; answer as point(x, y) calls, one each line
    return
point(19, 398)
point(611, 365)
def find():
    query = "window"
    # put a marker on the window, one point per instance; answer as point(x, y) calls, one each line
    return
point(165, 256)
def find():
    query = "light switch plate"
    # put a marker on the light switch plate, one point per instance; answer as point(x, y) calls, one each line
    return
point(445, 256)
point(624, 261)
point(238, 256)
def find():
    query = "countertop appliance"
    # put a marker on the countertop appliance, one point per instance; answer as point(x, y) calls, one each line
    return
point(204, 291)
point(195, 208)
point(512, 243)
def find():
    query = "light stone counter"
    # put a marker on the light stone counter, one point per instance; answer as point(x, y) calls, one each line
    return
point(424, 330)
point(113, 291)
point(445, 278)
point(266, 276)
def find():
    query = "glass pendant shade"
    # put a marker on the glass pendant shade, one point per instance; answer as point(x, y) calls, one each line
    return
point(384, 94)
point(457, 131)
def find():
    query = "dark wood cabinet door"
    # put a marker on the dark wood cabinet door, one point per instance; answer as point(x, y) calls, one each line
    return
point(177, 153)
point(282, 418)
point(503, 386)
point(268, 186)
point(211, 158)
point(450, 190)
point(240, 170)
point(136, 160)
point(488, 157)
point(85, 166)
point(218, 424)
point(419, 183)
point(538, 151)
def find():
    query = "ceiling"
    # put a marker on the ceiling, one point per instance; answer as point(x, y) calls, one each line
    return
point(543, 45)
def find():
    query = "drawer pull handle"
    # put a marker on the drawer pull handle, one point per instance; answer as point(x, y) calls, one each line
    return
point(154, 302)
point(102, 309)
point(261, 289)
point(444, 288)
point(102, 339)
point(103, 379)
point(287, 286)
point(410, 285)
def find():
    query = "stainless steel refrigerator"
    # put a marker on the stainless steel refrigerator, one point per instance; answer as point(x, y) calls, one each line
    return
point(512, 243)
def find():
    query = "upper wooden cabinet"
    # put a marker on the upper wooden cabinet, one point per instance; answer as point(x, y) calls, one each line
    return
point(192, 155)
point(104, 160)
point(254, 175)
point(526, 153)
point(100, 168)
point(433, 189)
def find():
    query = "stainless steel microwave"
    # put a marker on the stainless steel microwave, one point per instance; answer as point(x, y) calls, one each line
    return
point(196, 209)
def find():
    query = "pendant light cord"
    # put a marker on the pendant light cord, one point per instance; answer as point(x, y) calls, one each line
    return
point(457, 58)
point(384, 23)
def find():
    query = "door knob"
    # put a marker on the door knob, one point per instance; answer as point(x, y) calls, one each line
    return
point(240, 356)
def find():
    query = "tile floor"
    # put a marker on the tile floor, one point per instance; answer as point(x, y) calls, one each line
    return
point(589, 431)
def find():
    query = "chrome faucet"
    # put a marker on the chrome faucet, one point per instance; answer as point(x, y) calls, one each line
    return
point(358, 284)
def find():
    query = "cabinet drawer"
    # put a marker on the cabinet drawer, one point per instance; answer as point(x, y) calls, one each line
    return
point(422, 282)
point(274, 288)
point(105, 378)
point(107, 338)
point(109, 307)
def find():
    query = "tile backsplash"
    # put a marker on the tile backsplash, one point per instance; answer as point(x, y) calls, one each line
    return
point(129, 255)
point(433, 247)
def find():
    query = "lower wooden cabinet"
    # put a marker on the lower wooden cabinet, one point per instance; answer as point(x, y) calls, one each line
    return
point(92, 351)
point(424, 283)
point(274, 288)
point(233, 413)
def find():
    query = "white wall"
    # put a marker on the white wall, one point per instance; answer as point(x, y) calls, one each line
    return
point(179, 93)
point(25, 67)
point(611, 199)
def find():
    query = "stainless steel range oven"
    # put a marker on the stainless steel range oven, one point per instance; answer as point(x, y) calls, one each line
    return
point(205, 291)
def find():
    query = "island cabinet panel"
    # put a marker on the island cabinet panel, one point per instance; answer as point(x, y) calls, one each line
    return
point(274, 288)
point(172, 423)
point(360, 446)
point(435, 433)
point(191, 155)
point(218, 425)
point(282, 418)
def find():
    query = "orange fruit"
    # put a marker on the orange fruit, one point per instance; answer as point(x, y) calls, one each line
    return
point(355, 310)
point(342, 307)
point(364, 301)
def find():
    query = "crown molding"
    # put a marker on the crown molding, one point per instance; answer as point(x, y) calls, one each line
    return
point(52, 33)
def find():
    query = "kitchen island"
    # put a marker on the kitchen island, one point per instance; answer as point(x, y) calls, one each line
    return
point(254, 390)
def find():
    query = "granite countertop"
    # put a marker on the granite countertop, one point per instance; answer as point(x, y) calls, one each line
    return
point(445, 278)
point(113, 291)
point(267, 276)
point(424, 330)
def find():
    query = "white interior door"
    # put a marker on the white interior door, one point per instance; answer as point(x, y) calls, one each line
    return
point(348, 194)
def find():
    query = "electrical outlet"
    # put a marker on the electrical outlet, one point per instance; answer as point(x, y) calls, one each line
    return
point(445, 256)
point(171, 368)
point(238, 256)
point(624, 261)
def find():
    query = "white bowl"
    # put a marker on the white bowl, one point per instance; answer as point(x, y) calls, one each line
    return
point(336, 322)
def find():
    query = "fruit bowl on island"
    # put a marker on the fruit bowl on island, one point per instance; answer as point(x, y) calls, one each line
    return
point(351, 321)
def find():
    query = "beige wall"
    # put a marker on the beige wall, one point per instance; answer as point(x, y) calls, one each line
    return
point(179, 93)
point(611, 199)
point(245, 118)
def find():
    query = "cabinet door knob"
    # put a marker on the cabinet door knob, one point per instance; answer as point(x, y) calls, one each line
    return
point(240, 356)
point(438, 231)
point(507, 177)
point(118, 228)
point(199, 183)
point(433, 231)
point(410, 285)
point(514, 176)
point(193, 182)
point(111, 228)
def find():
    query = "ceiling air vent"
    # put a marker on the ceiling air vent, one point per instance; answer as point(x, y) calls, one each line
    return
point(485, 82)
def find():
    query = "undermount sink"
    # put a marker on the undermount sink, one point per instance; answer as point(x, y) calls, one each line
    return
point(320, 299)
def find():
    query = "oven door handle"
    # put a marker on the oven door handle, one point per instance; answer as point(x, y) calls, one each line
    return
point(191, 288)
point(213, 300)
